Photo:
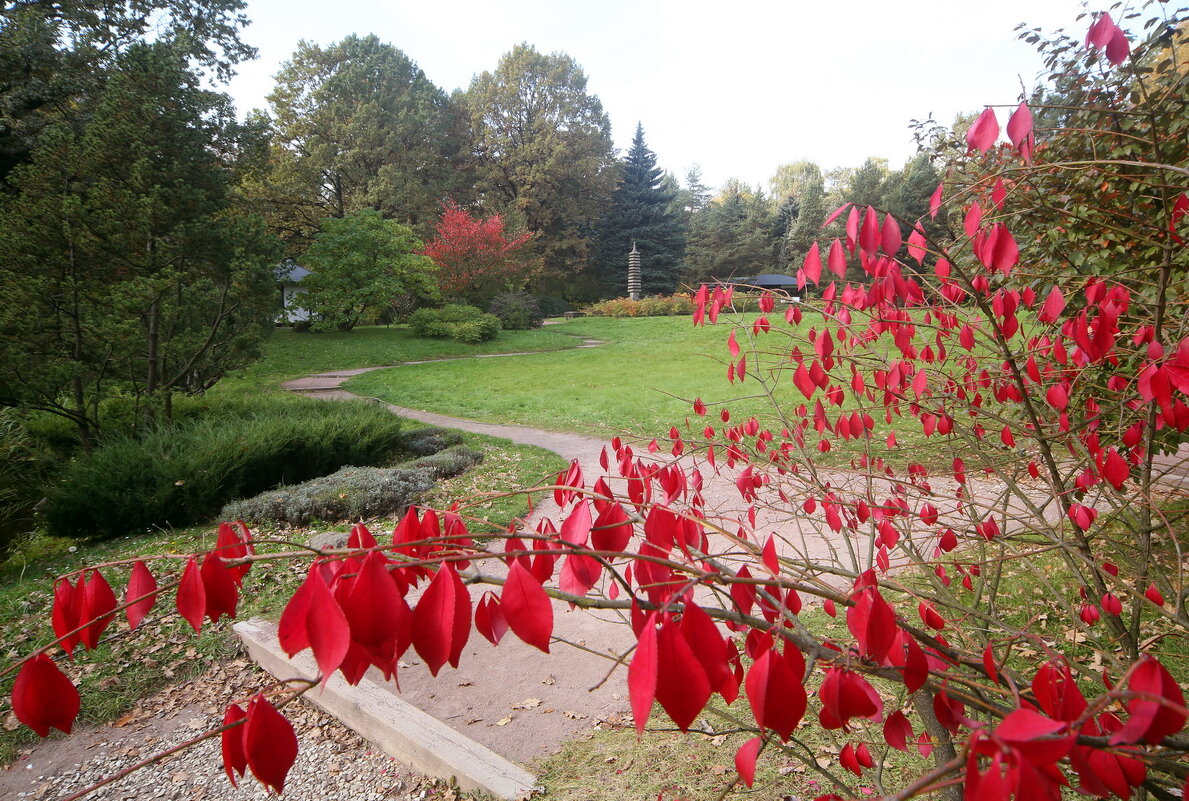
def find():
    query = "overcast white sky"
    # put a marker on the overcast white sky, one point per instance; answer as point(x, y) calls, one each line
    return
point(738, 87)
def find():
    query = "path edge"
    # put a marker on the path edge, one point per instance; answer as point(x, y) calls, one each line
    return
point(402, 730)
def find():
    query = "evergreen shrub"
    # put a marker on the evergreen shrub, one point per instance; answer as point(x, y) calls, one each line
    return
point(517, 311)
point(184, 474)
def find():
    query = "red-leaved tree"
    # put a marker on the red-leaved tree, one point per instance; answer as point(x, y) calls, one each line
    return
point(474, 255)
point(998, 536)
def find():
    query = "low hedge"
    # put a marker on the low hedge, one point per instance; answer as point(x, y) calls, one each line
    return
point(354, 493)
point(184, 474)
point(652, 306)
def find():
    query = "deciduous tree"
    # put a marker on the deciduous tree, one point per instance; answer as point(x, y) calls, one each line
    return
point(362, 264)
point(475, 258)
point(357, 125)
point(544, 150)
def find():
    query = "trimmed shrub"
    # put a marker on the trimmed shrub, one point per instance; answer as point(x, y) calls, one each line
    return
point(653, 306)
point(183, 475)
point(517, 311)
point(427, 441)
point(461, 323)
point(354, 493)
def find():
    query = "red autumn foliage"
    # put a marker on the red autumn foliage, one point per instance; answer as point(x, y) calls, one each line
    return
point(473, 253)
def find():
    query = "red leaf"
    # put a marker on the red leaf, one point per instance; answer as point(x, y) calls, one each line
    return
point(935, 201)
point(897, 731)
point(613, 529)
point(733, 345)
point(270, 746)
point(1118, 48)
point(291, 630)
point(489, 619)
point(576, 528)
point(191, 600)
point(1153, 594)
point(1019, 130)
point(1053, 306)
point(1151, 720)
point(99, 603)
point(682, 687)
point(916, 244)
point(527, 609)
point(745, 760)
point(142, 585)
point(775, 692)
point(769, 556)
point(327, 629)
point(1036, 737)
point(872, 623)
point(232, 544)
point(642, 674)
point(930, 616)
point(849, 760)
point(983, 133)
point(378, 618)
point(441, 620)
point(890, 236)
point(813, 264)
point(68, 602)
point(43, 698)
point(232, 740)
point(218, 585)
point(837, 259)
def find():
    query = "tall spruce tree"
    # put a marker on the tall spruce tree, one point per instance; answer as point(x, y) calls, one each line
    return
point(644, 209)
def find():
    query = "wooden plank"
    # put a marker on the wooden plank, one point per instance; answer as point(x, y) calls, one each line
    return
point(399, 728)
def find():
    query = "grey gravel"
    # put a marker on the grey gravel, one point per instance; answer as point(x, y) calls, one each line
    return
point(333, 763)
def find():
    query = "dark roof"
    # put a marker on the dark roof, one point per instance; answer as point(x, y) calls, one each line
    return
point(766, 280)
point(290, 273)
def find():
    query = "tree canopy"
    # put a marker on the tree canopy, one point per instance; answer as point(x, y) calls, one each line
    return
point(543, 150)
point(357, 125)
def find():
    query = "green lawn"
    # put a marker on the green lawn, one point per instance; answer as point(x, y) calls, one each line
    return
point(641, 381)
point(289, 355)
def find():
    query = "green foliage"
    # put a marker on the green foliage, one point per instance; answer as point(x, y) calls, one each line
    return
point(517, 311)
point(732, 236)
point(643, 210)
point(544, 151)
point(358, 126)
point(461, 323)
point(553, 307)
point(126, 268)
point(354, 493)
point(22, 470)
point(180, 475)
point(361, 264)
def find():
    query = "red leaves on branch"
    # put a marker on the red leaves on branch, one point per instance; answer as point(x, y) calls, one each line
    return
point(191, 597)
point(527, 608)
point(442, 620)
point(269, 744)
point(43, 698)
point(983, 132)
point(844, 695)
point(1104, 33)
point(140, 594)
